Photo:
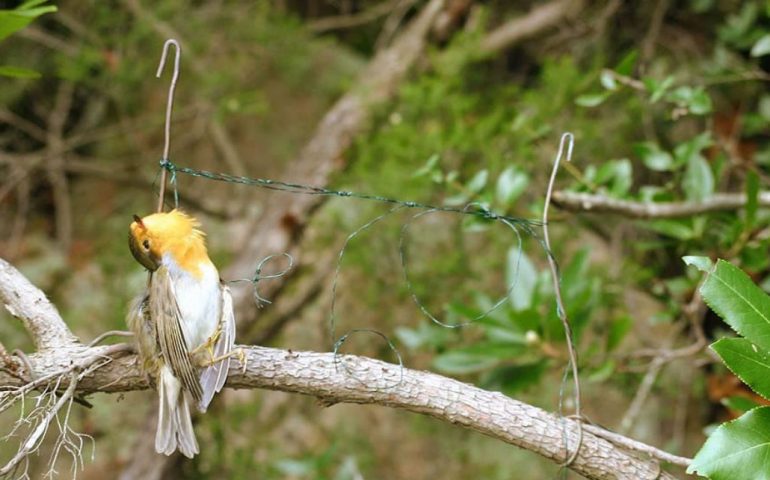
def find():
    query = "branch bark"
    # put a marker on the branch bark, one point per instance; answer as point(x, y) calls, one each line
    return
point(39, 316)
point(331, 378)
point(537, 20)
point(587, 202)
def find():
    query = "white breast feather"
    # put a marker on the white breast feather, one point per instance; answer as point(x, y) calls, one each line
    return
point(199, 301)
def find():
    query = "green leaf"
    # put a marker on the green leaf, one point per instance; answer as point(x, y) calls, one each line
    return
point(742, 304)
point(603, 373)
point(11, 21)
point(749, 362)
point(429, 167)
point(653, 157)
point(608, 81)
point(475, 358)
point(698, 180)
point(626, 65)
point(511, 184)
point(739, 404)
point(658, 89)
point(681, 229)
point(592, 99)
point(695, 100)
point(700, 102)
point(478, 182)
point(686, 151)
point(761, 47)
point(737, 450)
point(704, 264)
point(618, 330)
point(521, 278)
point(18, 72)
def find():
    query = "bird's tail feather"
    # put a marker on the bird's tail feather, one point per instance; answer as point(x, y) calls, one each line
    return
point(175, 430)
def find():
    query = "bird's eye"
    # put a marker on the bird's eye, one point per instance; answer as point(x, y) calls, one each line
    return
point(146, 244)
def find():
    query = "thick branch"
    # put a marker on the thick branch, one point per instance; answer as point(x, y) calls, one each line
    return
point(521, 28)
point(587, 202)
point(352, 379)
point(332, 378)
point(27, 303)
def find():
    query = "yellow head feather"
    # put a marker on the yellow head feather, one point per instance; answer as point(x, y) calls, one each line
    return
point(172, 232)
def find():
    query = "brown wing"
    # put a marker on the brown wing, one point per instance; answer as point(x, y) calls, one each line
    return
point(168, 328)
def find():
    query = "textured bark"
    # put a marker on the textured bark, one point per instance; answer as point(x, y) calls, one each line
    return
point(353, 379)
point(27, 303)
point(333, 379)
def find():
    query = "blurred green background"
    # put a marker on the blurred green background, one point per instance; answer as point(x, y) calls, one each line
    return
point(668, 101)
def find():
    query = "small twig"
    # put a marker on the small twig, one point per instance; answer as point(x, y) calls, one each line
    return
point(33, 439)
point(110, 333)
point(648, 44)
point(569, 140)
point(587, 202)
point(398, 11)
point(631, 82)
point(637, 446)
point(642, 393)
point(339, 22)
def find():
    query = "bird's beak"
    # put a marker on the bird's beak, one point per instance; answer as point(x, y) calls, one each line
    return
point(141, 255)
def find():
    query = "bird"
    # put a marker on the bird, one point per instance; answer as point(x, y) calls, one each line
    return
point(183, 323)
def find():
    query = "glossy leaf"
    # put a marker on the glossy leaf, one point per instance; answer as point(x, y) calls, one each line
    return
point(739, 404)
point(749, 362)
point(12, 21)
point(737, 450)
point(742, 304)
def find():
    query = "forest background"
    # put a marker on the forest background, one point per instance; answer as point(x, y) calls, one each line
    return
point(445, 103)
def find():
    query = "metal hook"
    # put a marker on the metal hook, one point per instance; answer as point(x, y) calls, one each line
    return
point(564, 138)
point(169, 108)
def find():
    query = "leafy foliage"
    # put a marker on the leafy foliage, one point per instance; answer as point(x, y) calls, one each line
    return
point(738, 449)
point(11, 21)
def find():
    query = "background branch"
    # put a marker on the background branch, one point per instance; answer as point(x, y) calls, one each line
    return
point(587, 202)
point(539, 19)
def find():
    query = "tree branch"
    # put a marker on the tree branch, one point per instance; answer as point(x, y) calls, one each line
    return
point(333, 379)
point(27, 303)
point(353, 379)
point(587, 202)
point(540, 18)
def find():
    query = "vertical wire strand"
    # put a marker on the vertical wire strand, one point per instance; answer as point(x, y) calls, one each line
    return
point(169, 109)
point(568, 140)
